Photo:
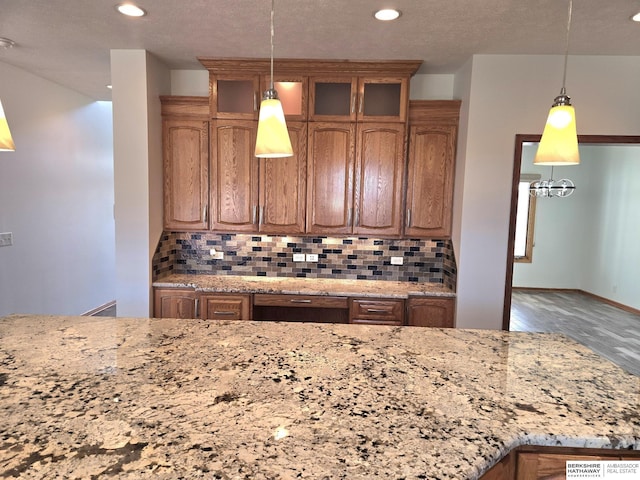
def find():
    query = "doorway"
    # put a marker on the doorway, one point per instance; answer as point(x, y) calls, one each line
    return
point(520, 141)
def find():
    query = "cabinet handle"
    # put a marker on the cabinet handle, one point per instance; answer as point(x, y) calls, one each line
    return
point(224, 312)
point(300, 301)
point(353, 103)
point(261, 217)
point(361, 103)
point(376, 310)
point(254, 214)
point(197, 307)
point(255, 102)
point(205, 210)
point(349, 216)
point(408, 217)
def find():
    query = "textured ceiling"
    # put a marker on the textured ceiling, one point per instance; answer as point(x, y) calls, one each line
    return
point(68, 41)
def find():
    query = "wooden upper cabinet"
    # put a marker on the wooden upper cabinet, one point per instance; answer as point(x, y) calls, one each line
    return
point(330, 177)
point(283, 187)
point(235, 96)
point(431, 168)
point(185, 134)
point(379, 177)
point(362, 99)
point(234, 176)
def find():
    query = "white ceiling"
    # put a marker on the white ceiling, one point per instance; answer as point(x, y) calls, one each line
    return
point(68, 41)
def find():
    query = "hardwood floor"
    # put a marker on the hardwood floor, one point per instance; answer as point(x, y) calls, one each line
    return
point(605, 329)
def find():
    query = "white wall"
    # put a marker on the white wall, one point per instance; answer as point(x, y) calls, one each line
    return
point(56, 196)
point(599, 252)
point(508, 95)
point(138, 79)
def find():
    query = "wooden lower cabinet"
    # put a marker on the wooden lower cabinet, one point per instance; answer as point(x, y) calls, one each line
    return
point(175, 303)
point(548, 463)
point(431, 312)
point(374, 311)
point(225, 307)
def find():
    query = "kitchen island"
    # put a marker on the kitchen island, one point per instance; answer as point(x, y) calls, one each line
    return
point(93, 397)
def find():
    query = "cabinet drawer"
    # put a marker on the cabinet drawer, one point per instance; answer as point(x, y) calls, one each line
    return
point(308, 301)
point(225, 307)
point(377, 312)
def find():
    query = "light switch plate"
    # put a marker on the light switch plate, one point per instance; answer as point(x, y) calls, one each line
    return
point(312, 257)
point(6, 239)
point(397, 260)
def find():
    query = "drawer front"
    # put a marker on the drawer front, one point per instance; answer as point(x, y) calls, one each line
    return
point(377, 312)
point(304, 301)
point(230, 307)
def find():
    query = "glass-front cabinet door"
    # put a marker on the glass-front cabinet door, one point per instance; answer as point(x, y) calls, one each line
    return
point(382, 99)
point(333, 99)
point(235, 97)
point(292, 92)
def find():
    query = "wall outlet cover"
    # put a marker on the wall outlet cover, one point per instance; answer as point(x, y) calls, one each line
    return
point(6, 239)
point(298, 257)
point(312, 257)
point(397, 260)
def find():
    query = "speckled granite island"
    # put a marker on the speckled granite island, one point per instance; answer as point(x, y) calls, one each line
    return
point(90, 397)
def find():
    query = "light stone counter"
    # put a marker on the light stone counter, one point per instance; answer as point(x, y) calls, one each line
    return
point(304, 286)
point(92, 397)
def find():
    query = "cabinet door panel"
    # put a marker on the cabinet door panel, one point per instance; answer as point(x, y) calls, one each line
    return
point(431, 312)
point(383, 99)
point(283, 186)
point(234, 179)
point(379, 176)
point(186, 174)
point(234, 96)
point(330, 177)
point(430, 181)
point(333, 99)
point(174, 303)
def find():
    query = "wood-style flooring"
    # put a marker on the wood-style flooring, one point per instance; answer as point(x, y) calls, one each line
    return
point(605, 329)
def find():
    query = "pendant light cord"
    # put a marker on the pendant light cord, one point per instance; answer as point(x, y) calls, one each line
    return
point(566, 51)
point(272, 8)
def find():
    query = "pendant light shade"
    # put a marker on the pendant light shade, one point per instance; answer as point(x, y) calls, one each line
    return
point(273, 138)
point(6, 142)
point(559, 142)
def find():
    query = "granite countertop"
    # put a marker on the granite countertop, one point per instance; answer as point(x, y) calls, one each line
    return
point(305, 286)
point(94, 397)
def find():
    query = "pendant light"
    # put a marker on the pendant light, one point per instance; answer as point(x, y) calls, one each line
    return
point(273, 138)
point(559, 142)
point(6, 142)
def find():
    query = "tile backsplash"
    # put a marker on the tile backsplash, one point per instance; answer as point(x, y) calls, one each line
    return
point(424, 260)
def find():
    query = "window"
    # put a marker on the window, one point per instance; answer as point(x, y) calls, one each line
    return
point(525, 220)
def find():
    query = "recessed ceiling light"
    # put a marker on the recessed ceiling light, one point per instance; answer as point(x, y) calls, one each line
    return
point(130, 10)
point(387, 14)
point(636, 17)
point(6, 43)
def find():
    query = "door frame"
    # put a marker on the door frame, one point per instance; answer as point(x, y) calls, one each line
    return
point(520, 140)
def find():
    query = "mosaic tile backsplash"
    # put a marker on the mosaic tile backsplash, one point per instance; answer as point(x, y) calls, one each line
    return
point(351, 258)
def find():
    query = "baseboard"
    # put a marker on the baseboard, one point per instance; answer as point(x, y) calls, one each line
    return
point(621, 306)
point(99, 309)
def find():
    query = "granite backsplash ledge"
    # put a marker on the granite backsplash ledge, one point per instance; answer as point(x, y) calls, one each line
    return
point(352, 258)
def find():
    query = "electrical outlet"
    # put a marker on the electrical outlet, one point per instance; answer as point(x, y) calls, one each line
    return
point(298, 257)
point(215, 255)
point(312, 257)
point(397, 260)
point(6, 239)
